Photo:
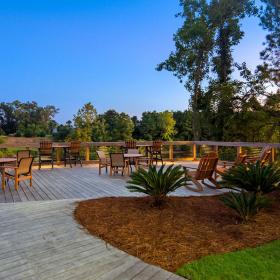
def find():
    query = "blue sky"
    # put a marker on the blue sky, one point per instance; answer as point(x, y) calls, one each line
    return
point(66, 53)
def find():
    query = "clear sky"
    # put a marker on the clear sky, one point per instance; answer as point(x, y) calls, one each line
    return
point(69, 52)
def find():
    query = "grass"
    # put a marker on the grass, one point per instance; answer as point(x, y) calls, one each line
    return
point(258, 263)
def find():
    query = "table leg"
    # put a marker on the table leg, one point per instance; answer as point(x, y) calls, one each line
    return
point(136, 163)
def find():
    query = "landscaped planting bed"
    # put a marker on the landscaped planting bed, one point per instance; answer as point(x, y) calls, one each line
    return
point(183, 230)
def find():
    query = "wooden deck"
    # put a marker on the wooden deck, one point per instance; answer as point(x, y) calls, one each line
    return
point(41, 240)
point(75, 183)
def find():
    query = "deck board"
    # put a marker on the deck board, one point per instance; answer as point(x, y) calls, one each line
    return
point(41, 240)
point(74, 183)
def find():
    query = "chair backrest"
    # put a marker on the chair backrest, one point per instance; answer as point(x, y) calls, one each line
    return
point(101, 156)
point(23, 154)
point(25, 165)
point(117, 160)
point(46, 147)
point(206, 167)
point(265, 155)
point(132, 151)
point(241, 158)
point(130, 144)
point(157, 144)
point(75, 147)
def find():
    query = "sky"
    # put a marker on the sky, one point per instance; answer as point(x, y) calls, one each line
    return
point(70, 52)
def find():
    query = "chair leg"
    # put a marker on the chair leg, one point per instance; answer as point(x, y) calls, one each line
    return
point(3, 180)
point(39, 162)
point(214, 182)
point(16, 183)
point(99, 169)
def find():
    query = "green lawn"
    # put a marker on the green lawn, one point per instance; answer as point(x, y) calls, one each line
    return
point(258, 263)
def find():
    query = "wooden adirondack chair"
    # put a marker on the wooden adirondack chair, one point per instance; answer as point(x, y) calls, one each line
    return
point(263, 158)
point(205, 171)
point(220, 170)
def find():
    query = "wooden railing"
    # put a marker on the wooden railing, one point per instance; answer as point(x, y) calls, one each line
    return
point(214, 145)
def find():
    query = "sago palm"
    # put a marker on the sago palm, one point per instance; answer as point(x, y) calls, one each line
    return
point(252, 177)
point(245, 204)
point(157, 183)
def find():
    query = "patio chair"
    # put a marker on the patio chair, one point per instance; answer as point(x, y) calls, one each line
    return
point(220, 170)
point(264, 156)
point(118, 162)
point(22, 154)
point(73, 153)
point(156, 153)
point(130, 144)
point(205, 171)
point(46, 153)
point(103, 161)
point(18, 173)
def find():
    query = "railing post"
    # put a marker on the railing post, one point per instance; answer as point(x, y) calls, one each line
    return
point(171, 152)
point(238, 151)
point(194, 151)
point(272, 154)
point(58, 156)
point(87, 153)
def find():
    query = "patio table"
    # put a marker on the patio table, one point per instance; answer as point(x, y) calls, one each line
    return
point(64, 147)
point(146, 146)
point(3, 161)
point(135, 157)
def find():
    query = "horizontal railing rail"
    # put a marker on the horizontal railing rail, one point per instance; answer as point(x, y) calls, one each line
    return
point(190, 154)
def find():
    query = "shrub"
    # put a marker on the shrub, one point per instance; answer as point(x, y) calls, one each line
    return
point(245, 204)
point(157, 183)
point(252, 178)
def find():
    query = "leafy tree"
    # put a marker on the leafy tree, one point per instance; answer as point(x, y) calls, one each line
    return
point(190, 63)
point(119, 126)
point(270, 21)
point(157, 125)
point(8, 121)
point(27, 119)
point(183, 125)
point(63, 132)
point(84, 121)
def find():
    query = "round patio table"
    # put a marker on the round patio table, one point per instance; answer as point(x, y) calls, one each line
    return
point(64, 147)
point(4, 160)
point(135, 157)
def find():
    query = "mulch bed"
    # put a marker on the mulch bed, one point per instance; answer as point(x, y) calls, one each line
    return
point(185, 229)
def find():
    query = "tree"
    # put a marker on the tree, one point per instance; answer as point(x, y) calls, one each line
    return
point(84, 121)
point(27, 119)
point(194, 42)
point(157, 125)
point(270, 21)
point(183, 125)
point(119, 126)
point(225, 16)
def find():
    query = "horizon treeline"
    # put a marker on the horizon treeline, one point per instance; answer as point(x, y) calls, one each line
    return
point(31, 120)
point(222, 106)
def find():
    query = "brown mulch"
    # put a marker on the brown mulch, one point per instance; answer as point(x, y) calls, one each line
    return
point(185, 229)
